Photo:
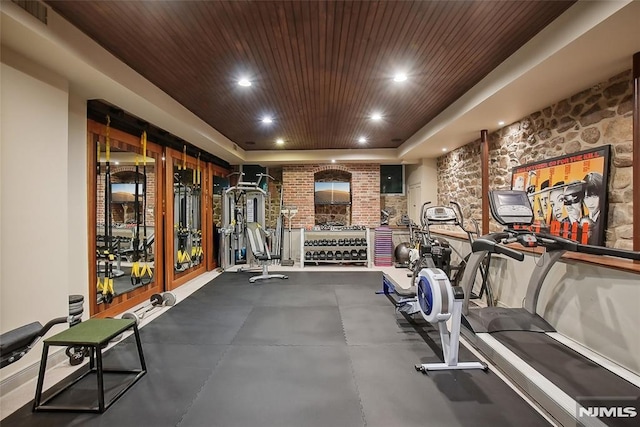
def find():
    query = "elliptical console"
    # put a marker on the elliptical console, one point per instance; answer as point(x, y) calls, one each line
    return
point(510, 207)
point(437, 214)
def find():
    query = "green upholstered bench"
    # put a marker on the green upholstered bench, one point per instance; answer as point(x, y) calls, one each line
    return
point(93, 334)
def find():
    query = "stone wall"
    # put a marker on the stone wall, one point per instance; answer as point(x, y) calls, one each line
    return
point(273, 197)
point(599, 115)
point(298, 183)
point(395, 204)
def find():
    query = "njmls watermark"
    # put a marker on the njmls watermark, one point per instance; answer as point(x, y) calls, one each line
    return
point(625, 410)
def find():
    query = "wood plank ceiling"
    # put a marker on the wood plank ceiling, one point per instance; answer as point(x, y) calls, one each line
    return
point(319, 68)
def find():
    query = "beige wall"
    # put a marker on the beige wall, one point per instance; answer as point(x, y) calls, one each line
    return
point(78, 258)
point(34, 227)
point(422, 176)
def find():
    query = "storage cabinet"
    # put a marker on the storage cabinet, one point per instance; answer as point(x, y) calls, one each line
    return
point(335, 246)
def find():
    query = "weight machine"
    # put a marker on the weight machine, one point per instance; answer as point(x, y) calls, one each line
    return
point(241, 203)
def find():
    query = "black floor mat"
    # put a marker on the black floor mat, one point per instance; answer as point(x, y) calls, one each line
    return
point(319, 349)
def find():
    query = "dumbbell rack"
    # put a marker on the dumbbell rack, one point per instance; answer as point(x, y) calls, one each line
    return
point(315, 241)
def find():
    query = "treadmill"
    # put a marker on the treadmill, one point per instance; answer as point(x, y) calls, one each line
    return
point(573, 388)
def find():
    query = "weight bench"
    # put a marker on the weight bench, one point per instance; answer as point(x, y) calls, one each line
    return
point(93, 334)
point(260, 250)
point(18, 342)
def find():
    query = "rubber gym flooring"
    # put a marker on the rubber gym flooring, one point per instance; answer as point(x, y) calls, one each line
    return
point(320, 349)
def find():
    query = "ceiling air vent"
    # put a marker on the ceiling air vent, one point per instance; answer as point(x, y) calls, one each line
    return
point(34, 8)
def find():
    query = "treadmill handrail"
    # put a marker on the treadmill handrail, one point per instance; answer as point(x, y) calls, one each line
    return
point(483, 244)
point(573, 246)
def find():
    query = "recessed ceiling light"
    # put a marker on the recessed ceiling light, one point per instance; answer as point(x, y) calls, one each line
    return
point(117, 163)
point(333, 160)
point(267, 120)
point(444, 149)
point(400, 77)
point(362, 140)
point(244, 82)
point(376, 116)
point(500, 123)
point(279, 141)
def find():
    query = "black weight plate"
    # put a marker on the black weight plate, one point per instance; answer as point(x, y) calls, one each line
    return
point(75, 311)
point(156, 299)
point(76, 299)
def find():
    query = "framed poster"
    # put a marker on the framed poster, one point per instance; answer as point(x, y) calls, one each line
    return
point(568, 194)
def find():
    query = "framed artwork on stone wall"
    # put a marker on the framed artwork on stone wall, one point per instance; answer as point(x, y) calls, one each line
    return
point(568, 194)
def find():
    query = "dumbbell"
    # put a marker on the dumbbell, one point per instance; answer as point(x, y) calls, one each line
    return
point(156, 300)
point(307, 256)
point(322, 255)
point(362, 254)
point(329, 255)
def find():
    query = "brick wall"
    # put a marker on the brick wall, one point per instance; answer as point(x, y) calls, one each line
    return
point(298, 185)
point(118, 214)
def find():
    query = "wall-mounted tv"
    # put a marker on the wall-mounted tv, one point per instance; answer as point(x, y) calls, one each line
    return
point(125, 192)
point(332, 193)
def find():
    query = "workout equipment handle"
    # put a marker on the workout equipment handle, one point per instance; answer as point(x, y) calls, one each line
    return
point(573, 246)
point(599, 250)
point(483, 244)
point(52, 323)
point(459, 212)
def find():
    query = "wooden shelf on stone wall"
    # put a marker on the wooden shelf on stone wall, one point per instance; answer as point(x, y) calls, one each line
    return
point(610, 262)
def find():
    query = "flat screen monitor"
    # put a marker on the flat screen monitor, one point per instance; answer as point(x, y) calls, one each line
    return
point(332, 193)
point(125, 192)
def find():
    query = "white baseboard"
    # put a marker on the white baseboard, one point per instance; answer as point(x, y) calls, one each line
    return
point(30, 373)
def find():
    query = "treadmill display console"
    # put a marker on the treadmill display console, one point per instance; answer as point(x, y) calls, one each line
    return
point(510, 207)
point(440, 214)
